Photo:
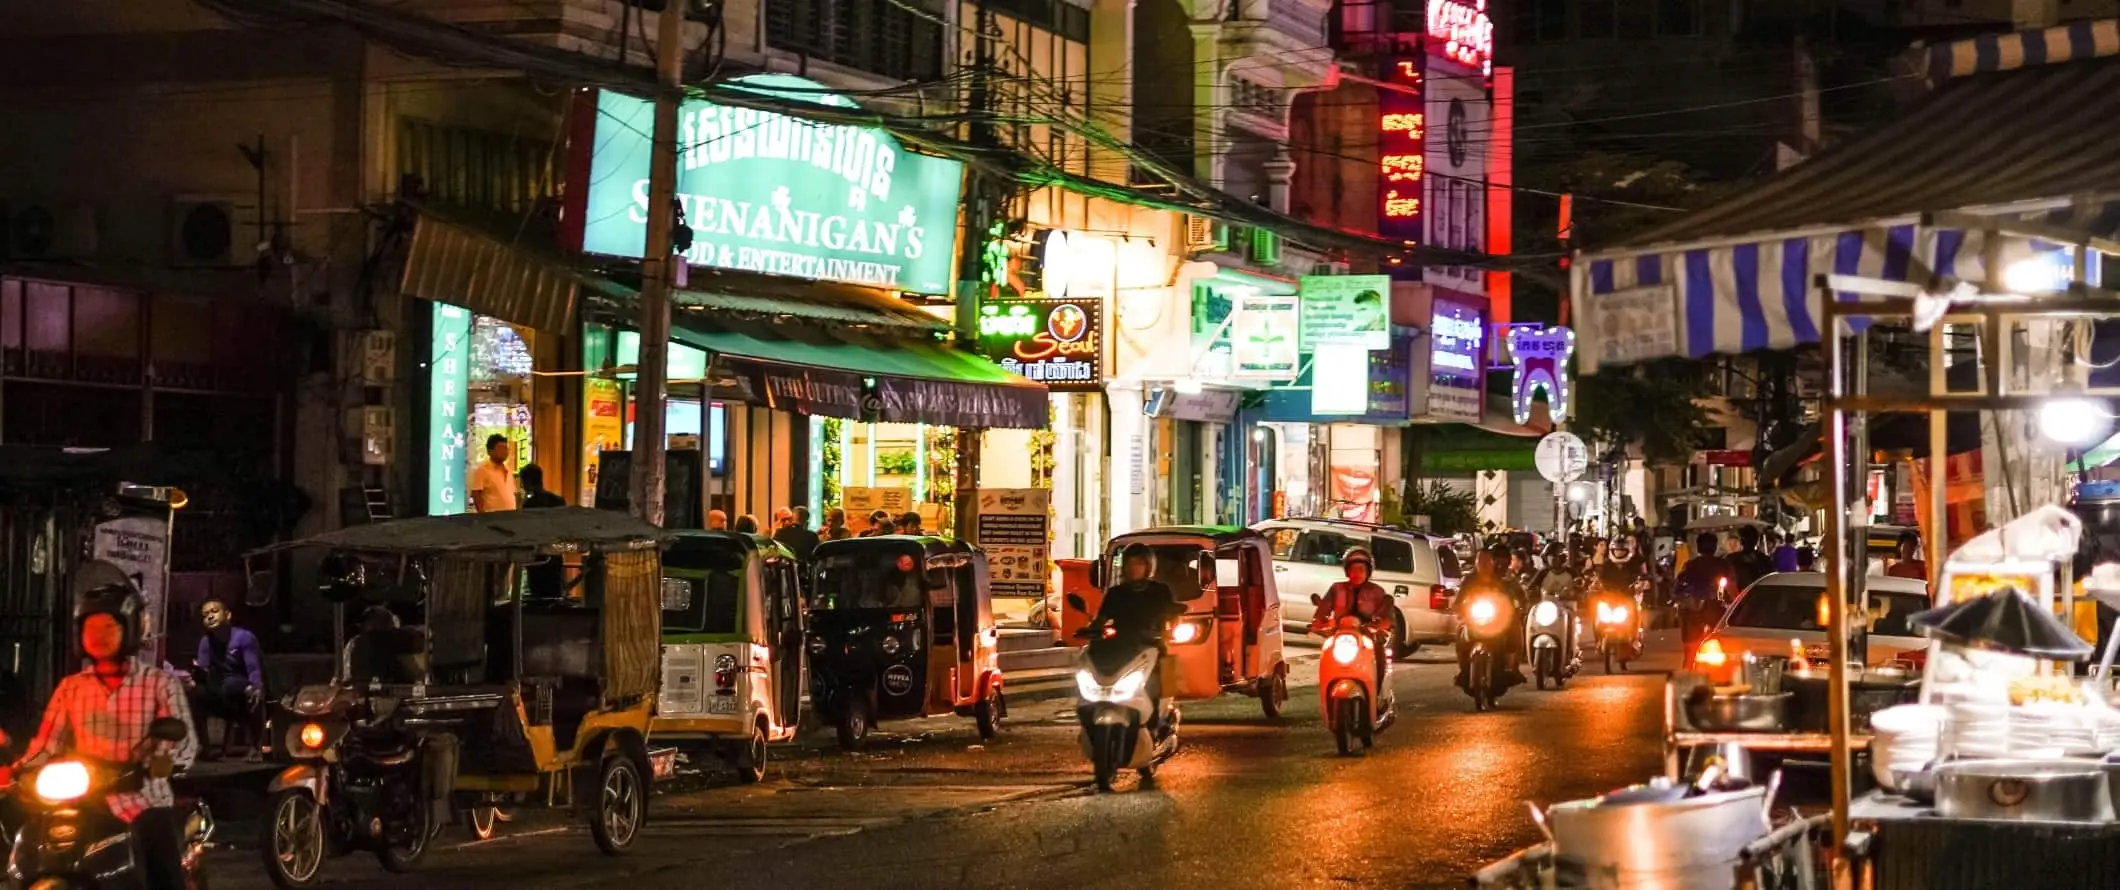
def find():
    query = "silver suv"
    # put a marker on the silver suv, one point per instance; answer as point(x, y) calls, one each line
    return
point(1420, 573)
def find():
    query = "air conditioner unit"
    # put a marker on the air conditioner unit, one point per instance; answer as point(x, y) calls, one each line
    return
point(1265, 247)
point(47, 231)
point(378, 357)
point(204, 230)
point(1200, 232)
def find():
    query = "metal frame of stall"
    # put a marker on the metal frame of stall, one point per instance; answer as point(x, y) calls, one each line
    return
point(1995, 313)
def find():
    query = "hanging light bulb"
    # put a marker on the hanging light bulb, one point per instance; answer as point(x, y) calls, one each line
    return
point(2073, 420)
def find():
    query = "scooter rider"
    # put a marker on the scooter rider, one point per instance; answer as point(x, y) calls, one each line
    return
point(104, 712)
point(1362, 598)
point(1488, 571)
point(1141, 605)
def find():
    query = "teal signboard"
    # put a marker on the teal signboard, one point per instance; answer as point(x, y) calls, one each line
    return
point(773, 193)
point(449, 375)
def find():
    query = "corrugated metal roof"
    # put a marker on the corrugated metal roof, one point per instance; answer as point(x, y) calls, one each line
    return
point(452, 263)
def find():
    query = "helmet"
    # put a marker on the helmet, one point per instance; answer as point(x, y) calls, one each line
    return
point(101, 588)
point(1358, 555)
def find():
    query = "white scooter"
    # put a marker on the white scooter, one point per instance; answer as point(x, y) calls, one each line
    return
point(1357, 703)
point(1551, 639)
point(1113, 706)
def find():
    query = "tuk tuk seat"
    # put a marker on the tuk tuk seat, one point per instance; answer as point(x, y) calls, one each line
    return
point(395, 656)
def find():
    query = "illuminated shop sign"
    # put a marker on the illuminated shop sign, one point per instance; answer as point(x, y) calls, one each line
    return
point(779, 194)
point(1540, 356)
point(1403, 141)
point(449, 379)
point(1054, 342)
point(1456, 366)
point(1461, 32)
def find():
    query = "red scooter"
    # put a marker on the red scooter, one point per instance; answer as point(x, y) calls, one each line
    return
point(1354, 683)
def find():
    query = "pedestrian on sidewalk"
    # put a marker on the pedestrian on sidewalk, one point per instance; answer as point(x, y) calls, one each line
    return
point(228, 676)
point(793, 533)
point(493, 484)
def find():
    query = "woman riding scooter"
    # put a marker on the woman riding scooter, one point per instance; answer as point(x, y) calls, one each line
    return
point(1362, 598)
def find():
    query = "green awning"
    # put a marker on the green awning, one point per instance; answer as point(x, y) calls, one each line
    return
point(1460, 448)
point(843, 372)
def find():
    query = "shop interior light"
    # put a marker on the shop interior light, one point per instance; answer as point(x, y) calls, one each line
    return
point(2073, 420)
point(2037, 274)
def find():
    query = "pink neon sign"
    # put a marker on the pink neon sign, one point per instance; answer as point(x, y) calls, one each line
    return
point(1459, 30)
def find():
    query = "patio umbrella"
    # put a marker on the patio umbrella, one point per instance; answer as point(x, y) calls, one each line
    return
point(2005, 621)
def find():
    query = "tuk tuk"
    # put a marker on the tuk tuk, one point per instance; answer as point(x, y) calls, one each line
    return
point(731, 648)
point(523, 687)
point(1229, 639)
point(901, 627)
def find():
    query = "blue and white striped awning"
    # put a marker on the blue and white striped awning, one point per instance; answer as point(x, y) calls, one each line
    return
point(2021, 128)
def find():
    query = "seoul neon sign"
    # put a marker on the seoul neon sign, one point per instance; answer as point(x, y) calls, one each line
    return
point(1461, 32)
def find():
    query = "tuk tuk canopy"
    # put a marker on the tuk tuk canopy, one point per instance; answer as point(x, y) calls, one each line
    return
point(515, 535)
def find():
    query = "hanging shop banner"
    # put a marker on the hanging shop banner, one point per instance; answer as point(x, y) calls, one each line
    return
point(1634, 325)
point(1263, 338)
point(1457, 335)
point(1540, 357)
point(774, 193)
point(1015, 530)
point(1456, 174)
point(449, 377)
point(1055, 342)
point(1346, 310)
point(139, 546)
point(1402, 142)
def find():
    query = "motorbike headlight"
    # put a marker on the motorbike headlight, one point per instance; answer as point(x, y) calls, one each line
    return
point(1185, 632)
point(62, 781)
point(311, 736)
point(1545, 613)
point(1129, 685)
point(891, 645)
point(1346, 648)
point(1086, 684)
point(1483, 611)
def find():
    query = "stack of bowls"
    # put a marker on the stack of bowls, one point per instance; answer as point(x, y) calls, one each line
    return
point(2050, 731)
point(1904, 740)
point(1976, 730)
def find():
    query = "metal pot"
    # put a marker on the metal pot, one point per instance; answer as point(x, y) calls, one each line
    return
point(1687, 844)
point(2024, 790)
point(1740, 713)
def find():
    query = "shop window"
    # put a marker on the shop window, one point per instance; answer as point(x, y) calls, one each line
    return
point(48, 326)
point(73, 416)
point(106, 335)
point(180, 342)
point(1393, 556)
point(11, 324)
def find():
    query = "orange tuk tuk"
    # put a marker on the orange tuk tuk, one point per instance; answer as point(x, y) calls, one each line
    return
point(1229, 639)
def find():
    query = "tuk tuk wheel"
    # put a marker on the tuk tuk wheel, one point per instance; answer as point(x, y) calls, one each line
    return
point(751, 763)
point(621, 804)
point(482, 821)
point(989, 711)
point(1273, 691)
point(853, 724)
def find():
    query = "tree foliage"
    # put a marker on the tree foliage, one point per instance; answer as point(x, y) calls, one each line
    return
point(1449, 510)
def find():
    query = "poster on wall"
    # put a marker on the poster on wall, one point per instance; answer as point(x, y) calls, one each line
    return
point(603, 429)
point(1262, 336)
point(1015, 530)
point(1354, 486)
point(1346, 310)
point(779, 194)
point(139, 546)
point(1457, 334)
point(1456, 176)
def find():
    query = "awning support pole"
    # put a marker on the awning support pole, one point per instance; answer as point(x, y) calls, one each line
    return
point(1837, 566)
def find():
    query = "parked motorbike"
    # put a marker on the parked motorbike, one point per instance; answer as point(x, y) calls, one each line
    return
point(358, 782)
point(1354, 686)
point(1619, 628)
point(1489, 620)
point(65, 844)
point(1114, 707)
point(1550, 638)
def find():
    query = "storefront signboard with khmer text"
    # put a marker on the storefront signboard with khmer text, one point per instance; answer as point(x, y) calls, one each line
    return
point(1054, 342)
point(783, 195)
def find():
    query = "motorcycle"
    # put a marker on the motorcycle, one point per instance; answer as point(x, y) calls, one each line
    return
point(1489, 619)
point(358, 782)
point(1619, 629)
point(1113, 706)
point(1357, 703)
point(1551, 642)
point(68, 842)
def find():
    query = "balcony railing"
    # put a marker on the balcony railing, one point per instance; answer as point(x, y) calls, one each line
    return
point(877, 36)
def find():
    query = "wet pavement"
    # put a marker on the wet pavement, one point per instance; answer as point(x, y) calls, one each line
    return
point(1245, 803)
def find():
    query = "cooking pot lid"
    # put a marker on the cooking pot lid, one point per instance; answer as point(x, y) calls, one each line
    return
point(2005, 620)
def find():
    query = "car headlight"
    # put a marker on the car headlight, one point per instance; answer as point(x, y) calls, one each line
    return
point(891, 645)
point(1346, 648)
point(62, 781)
point(1545, 614)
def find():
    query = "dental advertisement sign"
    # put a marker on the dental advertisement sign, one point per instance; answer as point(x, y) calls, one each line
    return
point(778, 194)
point(1346, 310)
point(1457, 339)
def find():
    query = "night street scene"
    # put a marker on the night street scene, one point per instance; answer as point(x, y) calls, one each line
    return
point(990, 444)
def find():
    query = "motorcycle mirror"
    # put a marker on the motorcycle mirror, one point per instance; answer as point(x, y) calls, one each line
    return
point(1077, 603)
point(168, 729)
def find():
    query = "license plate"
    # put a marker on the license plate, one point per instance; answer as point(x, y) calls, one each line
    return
point(721, 704)
point(1818, 652)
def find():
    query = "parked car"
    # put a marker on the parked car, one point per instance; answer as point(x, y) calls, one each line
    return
point(1784, 610)
point(1419, 572)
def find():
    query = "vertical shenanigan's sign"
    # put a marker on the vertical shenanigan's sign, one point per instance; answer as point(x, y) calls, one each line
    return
point(779, 194)
point(449, 376)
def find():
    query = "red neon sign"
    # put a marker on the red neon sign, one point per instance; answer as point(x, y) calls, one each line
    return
point(1402, 137)
point(1459, 30)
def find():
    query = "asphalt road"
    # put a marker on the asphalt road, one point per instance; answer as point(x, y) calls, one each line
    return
point(1244, 804)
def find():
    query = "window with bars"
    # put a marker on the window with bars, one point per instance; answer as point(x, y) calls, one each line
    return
point(894, 38)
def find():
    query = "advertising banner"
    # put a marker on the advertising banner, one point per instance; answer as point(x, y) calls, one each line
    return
point(449, 380)
point(1457, 335)
point(1055, 342)
point(139, 545)
point(1456, 174)
point(1015, 530)
point(1346, 310)
point(1263, 338)
point(778, 194)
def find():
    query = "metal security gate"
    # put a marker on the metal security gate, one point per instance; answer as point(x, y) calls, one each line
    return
point(36, 541)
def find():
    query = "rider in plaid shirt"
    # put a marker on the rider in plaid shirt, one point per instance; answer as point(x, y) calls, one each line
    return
point(103, 712)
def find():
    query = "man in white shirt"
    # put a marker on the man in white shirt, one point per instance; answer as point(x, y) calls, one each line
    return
point(493, 483)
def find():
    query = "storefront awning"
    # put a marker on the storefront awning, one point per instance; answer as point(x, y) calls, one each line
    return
point(458, 263)
point(839, 372)
point(2034, 150)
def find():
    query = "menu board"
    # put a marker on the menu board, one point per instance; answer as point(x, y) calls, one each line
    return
point(862, 502)
point(1015, 530)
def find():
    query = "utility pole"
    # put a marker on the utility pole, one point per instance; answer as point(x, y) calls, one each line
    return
point(981, 194)
point(659, 267)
